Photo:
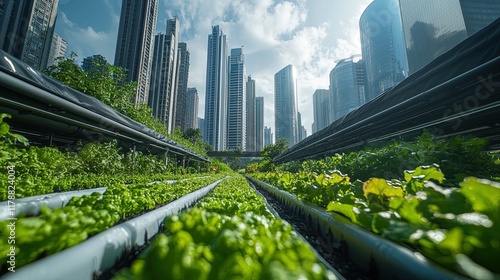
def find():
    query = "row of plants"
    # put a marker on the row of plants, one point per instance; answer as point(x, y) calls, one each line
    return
point(439, 208)
point(229, 234)
point(56, 229)
point(41, 170)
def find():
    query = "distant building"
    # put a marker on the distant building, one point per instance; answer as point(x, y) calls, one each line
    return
point(27, 28)
point(89, 63)
point(182, 113)
point(216, 89)
point(251, 115)
point(134, 46)
point(300, 128)
point(201, 126)
point(236, 101)
point(164, 75)
point(268, 136)
point(347, 86)
point(322, 109)
point(285, 106)
point(57, 49)
point(192, 101)
point(259, 123)
point(383, 46)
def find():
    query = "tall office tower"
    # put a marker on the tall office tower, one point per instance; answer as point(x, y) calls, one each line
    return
point(134, 46)
point(192, 101)
point(300, 128)
point(479, 13)
point(346, 86)
point(382, 46)
point(58, 49)
point(202, 127)
point(430, 28)
point(322, 109)
point(216, 89)
point(285, 106)
point(89, 63)
point(26, 29)
point(164, 75)
point(268, 136)
point(236, 101)
point(251, 115)
point(259, 123)
point(181, 111)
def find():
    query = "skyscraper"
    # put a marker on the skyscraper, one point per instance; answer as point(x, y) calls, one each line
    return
point(259, 123)
point(285, 107)
point(192, 101)
point(431, 28)
point(181, 111)
point(57, 49)
point(383, 46)
point(251, 115)
point(479, 13)
point(134, 46)
point(164, 75)
point(236, 104)
point(322, 109)
point(347, 86)
point(300, 128)
point(26, 29)
point(216, 89)
point(268, 136)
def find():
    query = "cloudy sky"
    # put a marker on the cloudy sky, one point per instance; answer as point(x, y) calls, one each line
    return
point(310, 34)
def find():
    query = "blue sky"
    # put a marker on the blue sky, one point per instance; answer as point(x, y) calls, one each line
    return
point(310, 34)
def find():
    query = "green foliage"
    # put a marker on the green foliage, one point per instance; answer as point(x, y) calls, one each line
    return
point(230, 234)
point(57, 229)
point(108, 83)
point(455, 225)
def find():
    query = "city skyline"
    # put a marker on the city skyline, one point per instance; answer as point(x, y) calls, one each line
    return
point(312, 35)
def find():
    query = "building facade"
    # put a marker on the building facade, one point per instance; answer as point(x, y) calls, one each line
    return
point(192, 102)
point(182, 113)
point(383, 46)
point(268, 136)
point(236, 108)
point(134, 45)
point(346, 86)
point(479, 13)
point(430, 28)
point(322, 109)
point(259, 123)
point(27, 28)
point(164, 75)
point(285, 106)
point(251, 115)
point(216, 90)
point(57, 49)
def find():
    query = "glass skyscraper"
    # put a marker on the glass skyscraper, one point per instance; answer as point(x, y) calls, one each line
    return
point(285, 106)
point(347, 86)
point(251, 115)
point(383, 46)
point(181, 110)
point(322, 109)
point(236, 101)
point(259, 123)
point(216, 90)
point(430, 28)
point(479, 13)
